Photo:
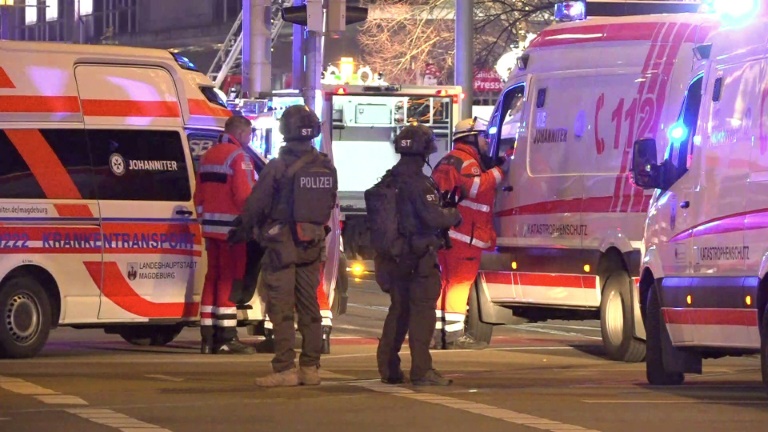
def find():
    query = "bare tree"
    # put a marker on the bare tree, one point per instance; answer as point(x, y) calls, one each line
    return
point(401, 37)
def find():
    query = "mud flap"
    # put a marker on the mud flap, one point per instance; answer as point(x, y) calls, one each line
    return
point(678, 361)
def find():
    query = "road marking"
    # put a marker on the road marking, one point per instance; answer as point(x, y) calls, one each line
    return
point(566, 326)
point(20, 386)
point(61, 400)
point(115, 419)
point(473, 407)
point(165, 377)
point(96, 415)
point(555, 332)
point(378, 308)
point(723, 401)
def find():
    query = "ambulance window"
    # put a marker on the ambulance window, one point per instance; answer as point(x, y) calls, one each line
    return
point(505, 120)
point(16, 179)
point(681, 133)
point(212, 96)
point(70, 149)
point(140, 165)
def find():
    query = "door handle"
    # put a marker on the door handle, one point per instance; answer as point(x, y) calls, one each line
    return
point(507, 188)
point(184, 212)
point(685, 204)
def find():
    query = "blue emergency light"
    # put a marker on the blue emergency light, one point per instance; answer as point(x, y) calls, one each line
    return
point(575, 10)
point(734, 9)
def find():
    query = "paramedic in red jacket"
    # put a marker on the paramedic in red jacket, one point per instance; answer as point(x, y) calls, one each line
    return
point(464, 167)
point(225, 178)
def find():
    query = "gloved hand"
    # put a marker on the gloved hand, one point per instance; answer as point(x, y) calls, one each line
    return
point(451, 199)
point(238, 234)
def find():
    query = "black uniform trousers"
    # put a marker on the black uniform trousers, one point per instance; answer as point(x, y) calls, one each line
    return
point(294, 288)
point(413, 284)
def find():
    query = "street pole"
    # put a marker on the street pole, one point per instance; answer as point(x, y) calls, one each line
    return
point(257, 48)
point(313, 46)
point(5, 22)
point(464, 69)
point(297, 68)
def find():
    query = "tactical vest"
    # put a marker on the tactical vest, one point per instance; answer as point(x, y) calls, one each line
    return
point(307, 191)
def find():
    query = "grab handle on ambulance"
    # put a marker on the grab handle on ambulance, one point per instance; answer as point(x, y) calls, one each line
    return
point(184, 212)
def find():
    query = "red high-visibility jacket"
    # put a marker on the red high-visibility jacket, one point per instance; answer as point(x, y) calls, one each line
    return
point(461, 167)
point(225, 178)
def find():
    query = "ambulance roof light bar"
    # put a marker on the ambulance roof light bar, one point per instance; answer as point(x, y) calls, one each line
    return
point(577, 10)
point(571, 10)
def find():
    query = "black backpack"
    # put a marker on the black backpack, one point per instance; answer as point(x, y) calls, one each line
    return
point(312, 184)
point(382, 217)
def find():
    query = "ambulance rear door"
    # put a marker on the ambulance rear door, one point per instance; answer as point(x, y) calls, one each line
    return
point(151, 238)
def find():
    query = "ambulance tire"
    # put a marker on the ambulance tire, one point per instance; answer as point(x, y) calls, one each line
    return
point(616, 320)
point(480, 331)
point(341, 289)
point(654, 356)
point(764, 349)
point(150, 335)
point(26, 318)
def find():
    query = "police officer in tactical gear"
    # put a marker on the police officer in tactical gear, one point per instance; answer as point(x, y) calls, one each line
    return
point(412, 278)
point(288, 212)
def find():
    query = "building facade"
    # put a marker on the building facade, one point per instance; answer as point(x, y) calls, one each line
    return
point(194, 28)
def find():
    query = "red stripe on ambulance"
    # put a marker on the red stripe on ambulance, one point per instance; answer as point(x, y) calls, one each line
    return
point(734, 317)
point(117, 289)
point(5, 80)
point(202, 107)
point(40, 104)
point(129, 108)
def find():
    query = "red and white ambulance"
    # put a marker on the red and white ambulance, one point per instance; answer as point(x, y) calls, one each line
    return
point(97, 225)
point(705, 252)
point(568, 218)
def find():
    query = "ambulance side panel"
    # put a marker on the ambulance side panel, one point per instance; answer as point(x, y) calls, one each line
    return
point(711, 301)
point(46, 184)
point(565, 170)
point(150, 235)
point(574, 216)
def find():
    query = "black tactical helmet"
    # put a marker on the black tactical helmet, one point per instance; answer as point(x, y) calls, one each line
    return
point(299, 123)
point(415, 139)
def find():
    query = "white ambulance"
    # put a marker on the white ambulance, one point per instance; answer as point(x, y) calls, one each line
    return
point(705, 254)
point(569, 221)
point(97, 224)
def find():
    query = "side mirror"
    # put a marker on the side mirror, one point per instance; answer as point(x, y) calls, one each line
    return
point(645, 169)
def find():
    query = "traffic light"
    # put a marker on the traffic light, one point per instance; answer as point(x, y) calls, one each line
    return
point(310, 15)
point(340, 15)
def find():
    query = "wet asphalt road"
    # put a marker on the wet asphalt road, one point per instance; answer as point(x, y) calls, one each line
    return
point(548, 376)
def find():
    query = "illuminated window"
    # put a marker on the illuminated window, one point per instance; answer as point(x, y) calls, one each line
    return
point(30, 12)
point(52, 10)
point(86, 7)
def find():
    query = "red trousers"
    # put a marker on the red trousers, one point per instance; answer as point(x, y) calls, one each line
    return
point(458, 270)
point(226, 266)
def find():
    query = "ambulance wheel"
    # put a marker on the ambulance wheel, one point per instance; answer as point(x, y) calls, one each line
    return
point(654, 356)
point(764, 349)
point(150, 335)
point(26, 318)
point(339, 306)
point(480, 331)
point(616, 321)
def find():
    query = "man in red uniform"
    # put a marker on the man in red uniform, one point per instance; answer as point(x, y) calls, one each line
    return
point(463, 167)
point(224, 181)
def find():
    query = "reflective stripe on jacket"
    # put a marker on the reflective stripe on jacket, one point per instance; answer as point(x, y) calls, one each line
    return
point(461, 167)
point(225, 178)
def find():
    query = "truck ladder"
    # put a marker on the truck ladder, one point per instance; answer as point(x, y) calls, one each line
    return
point(231, 54)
